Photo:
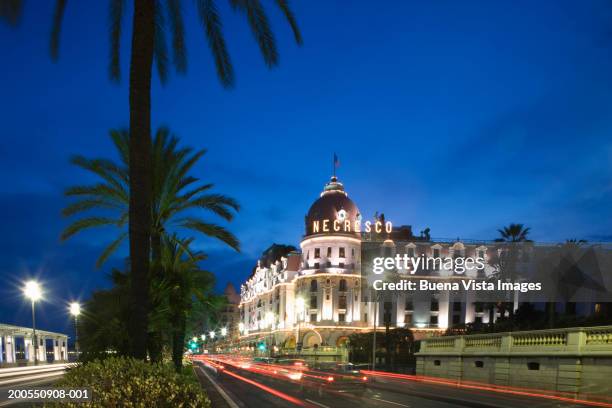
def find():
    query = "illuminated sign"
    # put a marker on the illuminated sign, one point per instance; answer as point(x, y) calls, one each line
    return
point(341, 224)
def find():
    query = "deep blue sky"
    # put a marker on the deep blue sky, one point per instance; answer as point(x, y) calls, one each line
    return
point(460, 116)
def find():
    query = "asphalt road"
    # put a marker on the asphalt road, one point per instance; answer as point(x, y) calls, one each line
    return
point(250, 389)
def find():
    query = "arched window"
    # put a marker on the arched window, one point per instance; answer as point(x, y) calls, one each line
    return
point(342, 286)
point(313, 285)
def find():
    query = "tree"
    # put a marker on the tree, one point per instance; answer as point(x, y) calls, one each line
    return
point(507, 256)
point(174, 194)
point(185, 284)
point(149, 45)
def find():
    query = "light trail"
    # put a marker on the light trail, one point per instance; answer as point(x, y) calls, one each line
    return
point(272, 391)
point(487, 387)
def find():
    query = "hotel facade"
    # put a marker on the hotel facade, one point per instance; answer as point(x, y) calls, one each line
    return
point(317, 296)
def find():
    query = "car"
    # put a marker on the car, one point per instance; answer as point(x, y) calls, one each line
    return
point(336, 377)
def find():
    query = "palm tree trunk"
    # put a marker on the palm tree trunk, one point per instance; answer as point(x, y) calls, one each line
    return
point(155, 341)
point(140, 171)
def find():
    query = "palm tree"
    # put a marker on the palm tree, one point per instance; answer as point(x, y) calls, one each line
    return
point(185, 285)
point(149, 45)
point(513, 233)
point(174, 193)
point(506, 260)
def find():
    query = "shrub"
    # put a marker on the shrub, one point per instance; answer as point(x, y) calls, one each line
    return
point(126, 382)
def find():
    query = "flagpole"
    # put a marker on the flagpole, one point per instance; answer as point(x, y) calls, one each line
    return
point(334, 164)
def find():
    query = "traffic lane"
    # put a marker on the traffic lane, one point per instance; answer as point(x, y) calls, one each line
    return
point(476, 398)
point(309, 395)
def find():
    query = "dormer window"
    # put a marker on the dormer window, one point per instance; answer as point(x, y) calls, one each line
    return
point(317, 253)
point(341, 252)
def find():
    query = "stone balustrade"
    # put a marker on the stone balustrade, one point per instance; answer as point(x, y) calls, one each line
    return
point(576, 341)
point(576, 361)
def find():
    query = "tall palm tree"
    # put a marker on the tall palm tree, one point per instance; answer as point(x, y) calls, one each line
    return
point(149, 45)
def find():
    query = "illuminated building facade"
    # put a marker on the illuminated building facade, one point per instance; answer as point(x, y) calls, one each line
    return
point(314, 296)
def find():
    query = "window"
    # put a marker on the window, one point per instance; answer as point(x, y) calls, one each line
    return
point(329, 252)
point(317, 265)
point(409, 305)
point(352, 251)
point(341, 265)
point(317, 253)
point(479, 308)
point(365, 317)
point(408, 318)
point(456, 306)
point(481, 254)
point(313, 285)
point(327, 296)
point(433, 320)
point(313, 317)
point(341, 254)
point(456, 319)
point(437, 362)
point(410, 252)
point(313, 302)
point(342, 302)
point(342, 286)
point(436, 253)
point(478, 363)
point(435, 306)
point(328, 264)
point(478, 320)
point(533, 365)
point(341, 317)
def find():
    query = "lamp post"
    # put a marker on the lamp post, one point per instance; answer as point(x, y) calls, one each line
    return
point(33, 292)
point(75, 310)
point(299, 307)
point(270, 324)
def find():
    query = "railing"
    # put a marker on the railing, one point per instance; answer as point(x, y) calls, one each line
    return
point(578, 341)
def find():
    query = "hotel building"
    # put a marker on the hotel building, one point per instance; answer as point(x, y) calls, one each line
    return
point(317, 296)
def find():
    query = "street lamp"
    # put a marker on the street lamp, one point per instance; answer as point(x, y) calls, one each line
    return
point(299, 307)
point(32, 291)
point(212, 334)
point(203, 337)
point(224, 331)
point(75, 310)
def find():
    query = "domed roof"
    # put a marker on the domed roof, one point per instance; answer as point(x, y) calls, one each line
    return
point(333, 204)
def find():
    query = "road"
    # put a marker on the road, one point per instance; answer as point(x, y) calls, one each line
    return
point(249, 384)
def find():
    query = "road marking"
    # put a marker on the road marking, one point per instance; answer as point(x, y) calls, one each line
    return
point(317, 403)
point(391, 402)
point(220, 390)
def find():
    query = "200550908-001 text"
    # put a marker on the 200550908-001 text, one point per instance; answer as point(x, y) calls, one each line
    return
point(48, 394)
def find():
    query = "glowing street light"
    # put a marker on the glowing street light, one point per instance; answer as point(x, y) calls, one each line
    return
point(195, 339)
point(241, 327)
point(75, 310)
point(203, 337)
point(212, 334)
point(224, 331)
point(32, 291)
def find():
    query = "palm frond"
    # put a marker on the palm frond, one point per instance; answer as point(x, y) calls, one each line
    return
point(56, 28)
point(217, 203)
point(177, 28)
point(212, 231)
point(105, 169)
point(121, 140)
point(260, 27)
point(116, 20)
point(160, 48)
point(99, 190)
point(10, 11)
point(284, 6)
point(86, 223)
point(110, 249)
point(209, 18)
point(89, 204)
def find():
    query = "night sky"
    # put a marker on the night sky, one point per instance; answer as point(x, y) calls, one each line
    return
point(458, 116)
